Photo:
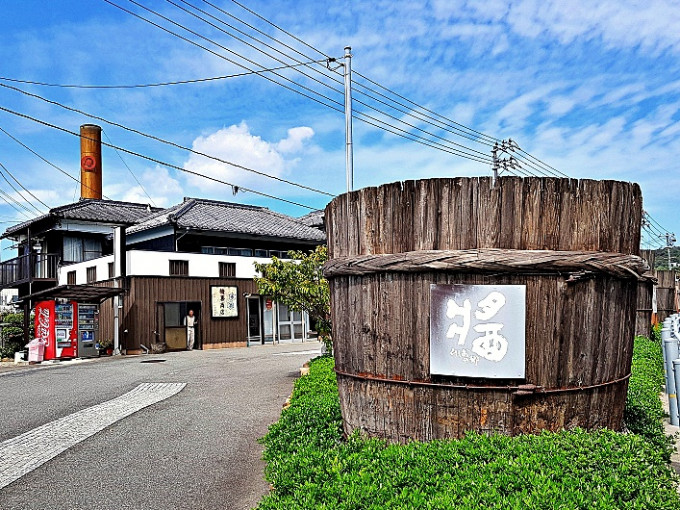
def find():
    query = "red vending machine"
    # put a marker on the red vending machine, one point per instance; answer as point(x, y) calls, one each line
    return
point(56, 325)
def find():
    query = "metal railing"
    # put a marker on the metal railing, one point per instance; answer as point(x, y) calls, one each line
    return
point(670, 337)
point(34, 266)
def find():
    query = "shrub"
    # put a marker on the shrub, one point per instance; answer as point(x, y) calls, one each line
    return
point(644, 413)
point(13, 333)
point(310, 465)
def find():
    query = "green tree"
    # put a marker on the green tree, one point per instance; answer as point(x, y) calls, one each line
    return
point(13, 333)
point(299, 284)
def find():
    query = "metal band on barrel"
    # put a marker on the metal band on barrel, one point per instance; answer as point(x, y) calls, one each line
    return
point(575, 265)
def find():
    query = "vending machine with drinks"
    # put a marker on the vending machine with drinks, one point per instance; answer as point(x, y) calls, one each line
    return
point(88, 329)
point(68, 329)
point(56, 327)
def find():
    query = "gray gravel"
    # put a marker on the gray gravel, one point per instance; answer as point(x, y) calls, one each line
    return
point(195, 450)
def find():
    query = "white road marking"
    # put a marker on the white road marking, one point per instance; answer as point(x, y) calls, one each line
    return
point(22, 454)
point(295, 353)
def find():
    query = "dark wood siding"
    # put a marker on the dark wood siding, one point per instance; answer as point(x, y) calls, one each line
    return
point(140, 303)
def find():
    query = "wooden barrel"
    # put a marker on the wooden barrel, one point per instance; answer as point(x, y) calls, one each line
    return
point(643, 314)
point(388, 245)
point(666, 294)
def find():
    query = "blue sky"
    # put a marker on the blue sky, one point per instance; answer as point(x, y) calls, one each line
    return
point(592, 91)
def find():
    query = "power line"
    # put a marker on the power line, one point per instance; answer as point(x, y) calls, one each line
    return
point(41, 157)
point(483, 155)
point(478, 134)
point(275, 26)
point(456, 128)
point(432, 144)
point(218, 54)
point(161, 84)
point(2, 174)
point(166, 142)
point(649, 217)
point(8, 199)
point(130, 170)
point(375, 122)
point(19, 183)
point(157, 161)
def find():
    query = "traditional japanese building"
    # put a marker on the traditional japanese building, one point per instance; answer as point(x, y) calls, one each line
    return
point(198, 255)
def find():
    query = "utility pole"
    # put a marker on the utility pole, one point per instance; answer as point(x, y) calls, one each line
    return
point(349, 164)
point(670, 241)
point(499, 165)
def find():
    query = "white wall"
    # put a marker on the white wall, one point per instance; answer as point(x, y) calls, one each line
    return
point(157, 263)
point(102, 264)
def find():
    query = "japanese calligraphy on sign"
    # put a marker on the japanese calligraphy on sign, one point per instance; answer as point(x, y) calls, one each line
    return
point(478, 330)
point(224, 301)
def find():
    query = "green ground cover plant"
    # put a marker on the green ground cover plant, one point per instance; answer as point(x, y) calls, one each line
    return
point(311, 465)
point(644, 412)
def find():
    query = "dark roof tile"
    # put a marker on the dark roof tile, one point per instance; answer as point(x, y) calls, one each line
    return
point(213, 215)
point(97, 211)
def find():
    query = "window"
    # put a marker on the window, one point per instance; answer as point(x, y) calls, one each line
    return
point(214, 250)
point(77, 249)
point(71, 278)
point(111, 275)
point(261, 253)
point(179, 268)
point(91, 274)
point(241, 252)
point(227, 269)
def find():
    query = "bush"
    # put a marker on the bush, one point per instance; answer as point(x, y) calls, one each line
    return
point(310, 465)
point(13, 334)
point(644, 413)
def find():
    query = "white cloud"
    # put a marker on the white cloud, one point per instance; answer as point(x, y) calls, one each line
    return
point(238, 145)
point(163, 189)
point(650, 24)
point(295, 140)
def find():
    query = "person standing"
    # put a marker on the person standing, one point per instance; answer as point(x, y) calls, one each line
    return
point(190, 323)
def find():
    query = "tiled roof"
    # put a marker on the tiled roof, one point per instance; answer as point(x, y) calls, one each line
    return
point(96, 211)
point(313, 219)
point(216, 216)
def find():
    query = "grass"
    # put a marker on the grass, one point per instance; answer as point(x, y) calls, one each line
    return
point(311, 465)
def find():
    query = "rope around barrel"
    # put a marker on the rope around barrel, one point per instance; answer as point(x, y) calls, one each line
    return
point(576, 265)
point(518, 390)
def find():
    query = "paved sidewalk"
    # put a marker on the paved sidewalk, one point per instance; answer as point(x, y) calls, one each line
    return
point(672, 430)
point(9, 367)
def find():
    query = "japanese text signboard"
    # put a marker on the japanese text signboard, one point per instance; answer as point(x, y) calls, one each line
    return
point(478, 330)
point(224, 301)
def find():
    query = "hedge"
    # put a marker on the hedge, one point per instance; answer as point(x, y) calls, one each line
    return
point(310, 464)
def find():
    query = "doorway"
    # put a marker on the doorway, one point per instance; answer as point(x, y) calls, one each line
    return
point(171, 317)
point(291, 324)
point(261, 316)
point(254, 320)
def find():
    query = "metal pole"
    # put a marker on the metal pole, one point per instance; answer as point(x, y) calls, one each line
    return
point(117, 265)
point(670, 347)
point(676, 372)
point(349, 164)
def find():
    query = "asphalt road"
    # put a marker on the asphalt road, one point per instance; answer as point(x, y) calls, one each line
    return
point(196, 450)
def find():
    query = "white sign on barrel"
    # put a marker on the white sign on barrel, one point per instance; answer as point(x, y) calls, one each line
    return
point(478, 330)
